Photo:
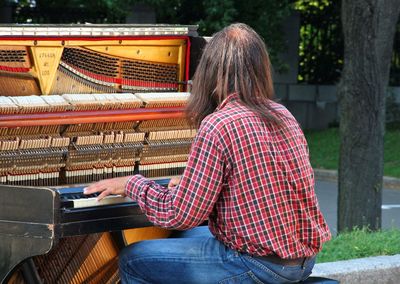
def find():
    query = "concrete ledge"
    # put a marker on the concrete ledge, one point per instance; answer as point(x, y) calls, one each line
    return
point(370, 270)
point(392, 183)
point(388, 182)
point(322, 174)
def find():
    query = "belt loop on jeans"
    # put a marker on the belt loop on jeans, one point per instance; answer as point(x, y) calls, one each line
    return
point(303, 264)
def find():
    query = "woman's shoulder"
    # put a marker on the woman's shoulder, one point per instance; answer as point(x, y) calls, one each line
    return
point(282, 111)
point(226, 115)
point(214, 121)
point(277, 106)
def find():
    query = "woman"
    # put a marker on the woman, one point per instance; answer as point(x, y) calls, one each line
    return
point(248, 174)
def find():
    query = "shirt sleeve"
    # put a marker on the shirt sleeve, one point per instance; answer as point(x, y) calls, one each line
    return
point(189, 203)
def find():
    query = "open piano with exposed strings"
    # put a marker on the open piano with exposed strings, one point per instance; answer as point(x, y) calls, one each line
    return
point(81, 103)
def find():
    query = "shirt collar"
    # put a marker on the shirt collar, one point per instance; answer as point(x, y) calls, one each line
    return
point(230, 98)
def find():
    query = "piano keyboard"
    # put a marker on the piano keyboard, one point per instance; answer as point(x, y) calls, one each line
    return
point(73, 197)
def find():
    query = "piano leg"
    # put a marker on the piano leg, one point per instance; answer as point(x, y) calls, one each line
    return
point(13, 250)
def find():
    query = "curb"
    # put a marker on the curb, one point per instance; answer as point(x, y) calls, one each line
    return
point(369, 270)
point(332, 175)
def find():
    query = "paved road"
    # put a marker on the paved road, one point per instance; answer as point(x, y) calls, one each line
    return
point(327, 193)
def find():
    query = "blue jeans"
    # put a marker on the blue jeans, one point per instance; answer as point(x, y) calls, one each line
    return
point(197, 257)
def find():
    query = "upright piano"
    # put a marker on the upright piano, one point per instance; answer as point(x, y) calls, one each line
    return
point(80, 103)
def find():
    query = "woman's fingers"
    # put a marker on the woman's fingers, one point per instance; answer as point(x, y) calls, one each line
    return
point(111, 186)
point(95, 187)
point(174, 181)
point(104, 194)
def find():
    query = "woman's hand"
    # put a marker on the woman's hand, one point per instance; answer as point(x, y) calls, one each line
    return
point(108, 186)
point(174, 181)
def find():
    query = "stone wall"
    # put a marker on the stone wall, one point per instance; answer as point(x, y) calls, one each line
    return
point(316, 106)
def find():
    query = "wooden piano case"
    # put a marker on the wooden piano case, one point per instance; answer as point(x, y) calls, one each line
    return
point(65, 119)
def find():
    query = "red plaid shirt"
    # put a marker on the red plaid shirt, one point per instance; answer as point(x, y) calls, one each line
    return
point(252, 181)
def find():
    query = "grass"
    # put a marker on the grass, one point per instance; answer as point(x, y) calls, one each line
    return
point(392, 151)
point(324, 149)
point(360, 243)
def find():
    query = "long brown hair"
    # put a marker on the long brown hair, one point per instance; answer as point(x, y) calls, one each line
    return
point(235, 60)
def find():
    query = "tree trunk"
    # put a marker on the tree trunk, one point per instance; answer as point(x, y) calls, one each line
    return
point(369, 28)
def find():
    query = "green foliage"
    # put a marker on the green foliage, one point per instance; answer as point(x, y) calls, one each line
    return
point(73, 11)
point(395, 68)
point(321, 41)
point(265, 16)
point(218, 14)
point(360, 243)
point(312, 6)
point(321, 44)
point(392, 153)
point(324, 149)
